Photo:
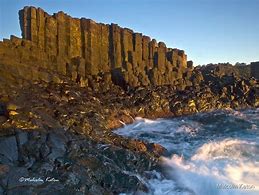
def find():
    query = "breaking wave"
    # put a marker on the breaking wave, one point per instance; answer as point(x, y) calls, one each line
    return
point(210, 153)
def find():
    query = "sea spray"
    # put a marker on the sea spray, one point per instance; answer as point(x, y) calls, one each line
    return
point(211, 153)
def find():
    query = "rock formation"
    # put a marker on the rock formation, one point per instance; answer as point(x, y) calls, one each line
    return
point(255, 70)
point(244, 71)
point(85, 51)
point(50, 126)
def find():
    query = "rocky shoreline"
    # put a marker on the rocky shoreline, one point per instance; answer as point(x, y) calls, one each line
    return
point(56, 129)
point(64, 131)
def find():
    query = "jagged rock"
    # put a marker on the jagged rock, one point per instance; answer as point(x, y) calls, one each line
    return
point(255, 69)
point(16, 178)
point(190, 64)
point(11, 107)
point(57, 144)
point(8, 149)
point(196, 78)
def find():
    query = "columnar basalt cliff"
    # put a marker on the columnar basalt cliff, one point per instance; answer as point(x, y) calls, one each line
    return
point(87, 51)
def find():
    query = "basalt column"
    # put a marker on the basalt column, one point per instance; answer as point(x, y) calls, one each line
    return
point(115, 44)
point(84, 49)
point(104, 64)
point(127, 46)
point(137, 66)
point(91, 46)
point(255, 69)
point(28, 18)
point(51, 36)
point(145, 51)
point(41, 28)
point(161, 57)
point(75, 49)
point(128, 57)
point(63, 43)
point(63, 34)
point(115, 39)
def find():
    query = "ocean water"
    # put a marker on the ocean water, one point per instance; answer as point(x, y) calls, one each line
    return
point(209, 153)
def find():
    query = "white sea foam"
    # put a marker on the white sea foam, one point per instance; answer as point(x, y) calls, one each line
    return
point(228, 148)
point(191, 130)
point(211, 168)
point(205, 160)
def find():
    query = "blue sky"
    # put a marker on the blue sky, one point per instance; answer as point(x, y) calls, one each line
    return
point(210, 31)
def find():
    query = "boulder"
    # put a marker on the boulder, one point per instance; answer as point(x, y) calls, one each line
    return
point(8, 148)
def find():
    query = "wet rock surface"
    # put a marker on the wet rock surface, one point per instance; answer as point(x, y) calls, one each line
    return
point(61, 162)
point(57, 138)
point(60, 142)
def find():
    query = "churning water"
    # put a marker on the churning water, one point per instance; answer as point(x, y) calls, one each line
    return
point(210, 153)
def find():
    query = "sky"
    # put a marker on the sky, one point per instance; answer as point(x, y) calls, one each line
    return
point(210, 31)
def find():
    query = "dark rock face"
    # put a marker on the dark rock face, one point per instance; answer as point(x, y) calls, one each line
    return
point(8, 149)
point(239, 70)
point(81, 166)
point(255, 70)
point(63, 131)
